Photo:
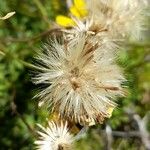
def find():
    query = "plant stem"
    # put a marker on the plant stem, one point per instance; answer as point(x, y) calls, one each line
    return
point(42, 10)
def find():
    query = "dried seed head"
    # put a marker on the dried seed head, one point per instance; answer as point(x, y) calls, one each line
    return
point(82, 80)
point(110, 22)
point(54, 137)
point(121, 18)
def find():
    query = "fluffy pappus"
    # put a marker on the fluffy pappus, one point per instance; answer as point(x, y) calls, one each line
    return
point(82, 80)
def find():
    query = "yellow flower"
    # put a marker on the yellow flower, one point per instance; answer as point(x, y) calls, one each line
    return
point(78, 10)
point(64, 21)
point(110, 111)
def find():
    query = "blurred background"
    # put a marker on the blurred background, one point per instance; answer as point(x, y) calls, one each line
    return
point(20, 37)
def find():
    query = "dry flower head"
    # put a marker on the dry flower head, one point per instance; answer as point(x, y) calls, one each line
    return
point(82, 80)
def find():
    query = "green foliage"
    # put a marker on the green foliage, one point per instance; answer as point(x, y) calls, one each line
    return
point(20, 38)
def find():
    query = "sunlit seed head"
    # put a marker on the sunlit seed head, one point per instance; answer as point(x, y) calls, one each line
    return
point(124, 18)
point(113, 21)
point(54, 137)
point(82, 80)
